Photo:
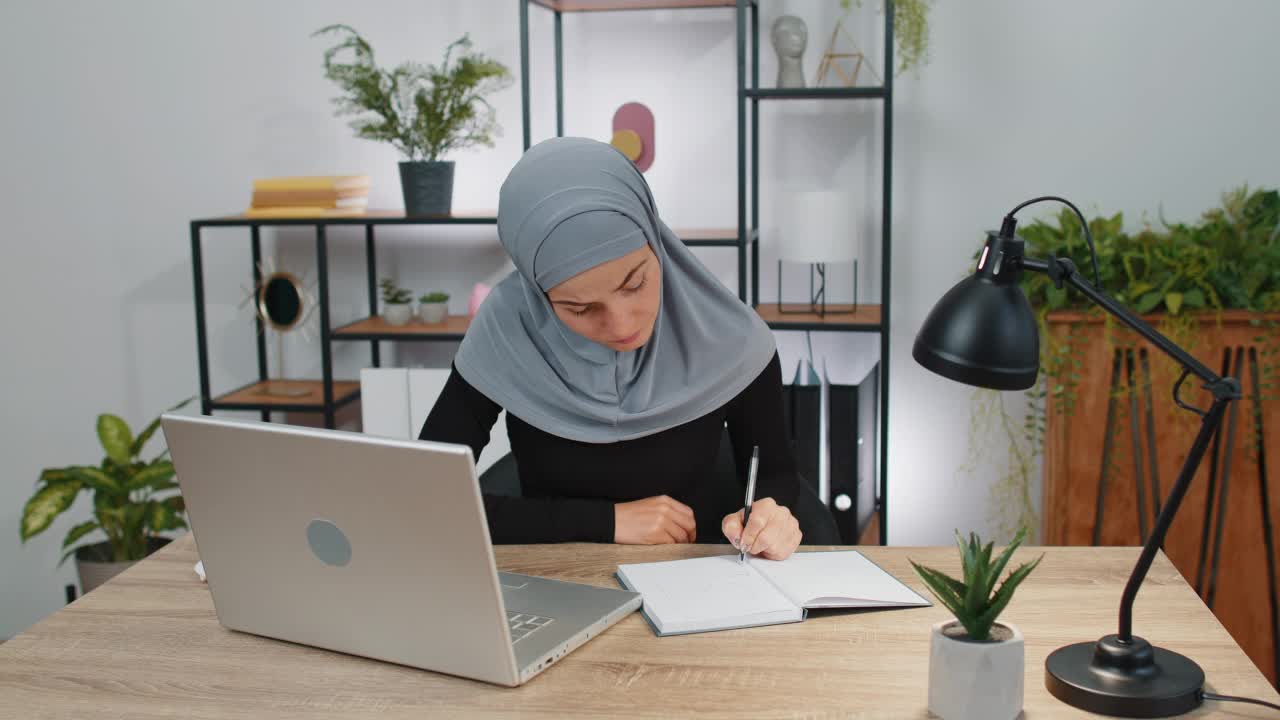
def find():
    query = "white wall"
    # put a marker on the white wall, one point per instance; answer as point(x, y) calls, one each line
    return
point(123, 122)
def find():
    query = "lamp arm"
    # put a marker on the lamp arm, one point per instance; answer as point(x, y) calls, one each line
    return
point(1209, 425)
point(1063, 270)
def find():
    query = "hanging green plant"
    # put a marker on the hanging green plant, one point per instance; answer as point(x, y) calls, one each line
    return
point(910, 31)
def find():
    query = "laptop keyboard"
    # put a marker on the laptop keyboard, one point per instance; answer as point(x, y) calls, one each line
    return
point(523, 625)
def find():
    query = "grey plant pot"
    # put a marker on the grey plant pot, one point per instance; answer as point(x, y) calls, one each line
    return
point(433, 313)
point(94, 566)
point(397, 313)
point(427, 186)
point(975, 681)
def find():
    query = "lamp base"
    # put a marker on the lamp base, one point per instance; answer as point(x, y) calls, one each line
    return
point(1124, 679)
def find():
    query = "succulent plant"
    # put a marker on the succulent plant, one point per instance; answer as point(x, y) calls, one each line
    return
point(975, 601)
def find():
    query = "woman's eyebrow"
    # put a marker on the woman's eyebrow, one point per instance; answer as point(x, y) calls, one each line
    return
point(627, 280)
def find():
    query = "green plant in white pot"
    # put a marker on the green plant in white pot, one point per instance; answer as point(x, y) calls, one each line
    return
point(433, 307)
point(132, 503)
point(976, 665)
point(424, 111)
point(396, 307)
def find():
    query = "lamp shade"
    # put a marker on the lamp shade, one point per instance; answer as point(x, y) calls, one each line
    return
point(983, 331)
point(816, 226)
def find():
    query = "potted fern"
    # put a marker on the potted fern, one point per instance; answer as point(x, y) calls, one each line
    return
point(433, 307)
point(131, 503)
point(425, 112)
point(396, 309)
point(976, 665)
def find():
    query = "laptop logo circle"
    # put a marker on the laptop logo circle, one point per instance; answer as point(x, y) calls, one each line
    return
point(328, 543)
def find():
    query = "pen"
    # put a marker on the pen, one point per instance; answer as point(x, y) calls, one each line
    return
point(751, 496)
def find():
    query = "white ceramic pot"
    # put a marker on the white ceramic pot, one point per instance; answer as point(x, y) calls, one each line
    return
point(397, 313)
point(975, 681)
point(432, 313)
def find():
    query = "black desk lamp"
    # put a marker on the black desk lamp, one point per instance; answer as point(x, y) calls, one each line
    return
point(983, 332)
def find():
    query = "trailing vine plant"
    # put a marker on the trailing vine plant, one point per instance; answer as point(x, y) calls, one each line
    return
point(910, 31)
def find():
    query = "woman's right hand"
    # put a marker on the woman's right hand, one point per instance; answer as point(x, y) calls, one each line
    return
point(653, 521)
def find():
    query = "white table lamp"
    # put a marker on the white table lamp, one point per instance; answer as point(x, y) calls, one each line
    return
point(816, 227)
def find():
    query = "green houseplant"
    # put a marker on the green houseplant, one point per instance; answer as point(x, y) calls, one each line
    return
point(976, 665)
point(424, 111)
point(396, 308)
point(131, 502)
point(433, 307)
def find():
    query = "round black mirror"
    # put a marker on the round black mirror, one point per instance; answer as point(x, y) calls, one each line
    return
point(280, 300)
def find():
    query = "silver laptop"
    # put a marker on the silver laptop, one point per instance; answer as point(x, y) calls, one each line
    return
point(370, 546)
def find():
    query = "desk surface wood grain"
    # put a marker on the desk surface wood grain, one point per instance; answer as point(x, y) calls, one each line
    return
point(148, 645)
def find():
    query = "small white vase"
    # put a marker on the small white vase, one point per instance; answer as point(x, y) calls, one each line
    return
point(975, 681)
point(432, 313)
point(397, 313)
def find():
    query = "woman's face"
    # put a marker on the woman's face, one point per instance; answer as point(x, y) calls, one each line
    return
point(614, 304)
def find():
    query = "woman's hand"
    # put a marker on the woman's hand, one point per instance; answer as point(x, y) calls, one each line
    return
point(653, 521)
point(772, 532)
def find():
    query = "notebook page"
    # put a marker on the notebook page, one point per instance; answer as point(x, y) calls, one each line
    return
point(841, 578)
point(709, 593)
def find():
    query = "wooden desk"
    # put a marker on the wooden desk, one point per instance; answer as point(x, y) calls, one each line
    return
point(147, 645)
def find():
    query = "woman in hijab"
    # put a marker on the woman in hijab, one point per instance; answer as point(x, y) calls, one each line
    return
point(620, 360)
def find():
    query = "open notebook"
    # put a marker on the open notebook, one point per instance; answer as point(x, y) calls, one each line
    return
point(718, 593)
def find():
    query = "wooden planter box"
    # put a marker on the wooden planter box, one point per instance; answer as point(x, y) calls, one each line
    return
point(1224, 538)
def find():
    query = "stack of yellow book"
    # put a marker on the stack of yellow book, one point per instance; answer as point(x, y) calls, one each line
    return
point(310, 196)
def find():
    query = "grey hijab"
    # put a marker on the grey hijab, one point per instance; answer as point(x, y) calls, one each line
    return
point(568, 205)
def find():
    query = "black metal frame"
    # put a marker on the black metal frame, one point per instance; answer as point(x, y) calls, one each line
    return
point(330, 404)
point(818, 292)
point(754, 93)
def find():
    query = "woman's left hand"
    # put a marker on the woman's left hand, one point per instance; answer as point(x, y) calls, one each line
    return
point(772, 532)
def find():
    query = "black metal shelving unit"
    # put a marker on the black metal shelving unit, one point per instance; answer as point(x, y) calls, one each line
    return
point(867, 318)
point(870, 318)
point(326, 395)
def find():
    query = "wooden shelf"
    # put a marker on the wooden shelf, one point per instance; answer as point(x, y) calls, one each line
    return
point(376, 328)
point(606, 5)
point(838, 317)
point(369, 217)
point(306, 395)
point(817, 93)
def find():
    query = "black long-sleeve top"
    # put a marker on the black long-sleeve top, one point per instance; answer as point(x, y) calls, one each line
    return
point(569, 487)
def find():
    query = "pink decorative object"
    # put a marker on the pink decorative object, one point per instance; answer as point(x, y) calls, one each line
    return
point(639, 119)
point(478, 294)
